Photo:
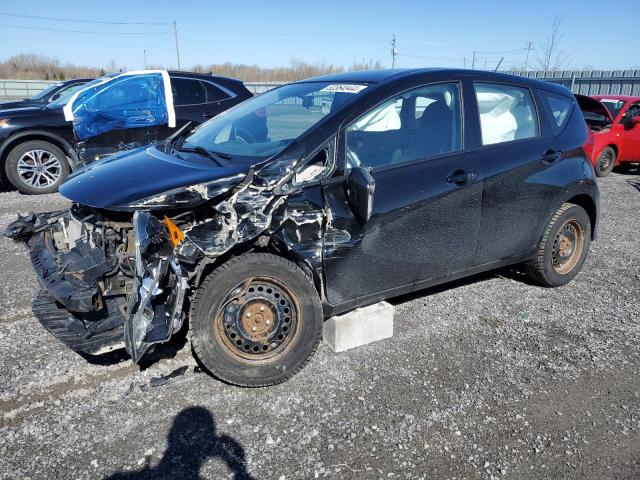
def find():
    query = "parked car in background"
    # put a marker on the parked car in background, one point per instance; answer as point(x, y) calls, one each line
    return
point(41, 144)
point(614, 130)
point(308, 201)
point(53, 92)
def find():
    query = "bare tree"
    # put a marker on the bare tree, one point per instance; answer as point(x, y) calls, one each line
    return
point(548, 54)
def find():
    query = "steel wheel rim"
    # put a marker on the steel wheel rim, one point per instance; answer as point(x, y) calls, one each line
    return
point(258, 319)
point(567, 247)
point(605, 161)
point(39, 168)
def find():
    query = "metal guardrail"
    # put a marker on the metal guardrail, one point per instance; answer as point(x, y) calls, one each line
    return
point(585, 82)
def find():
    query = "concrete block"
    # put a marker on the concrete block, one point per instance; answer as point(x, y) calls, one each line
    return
point(359, 327)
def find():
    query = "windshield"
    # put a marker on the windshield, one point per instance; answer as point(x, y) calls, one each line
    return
point(64, 96)
point(40, 95)
point(612, 105)
point(264, 125)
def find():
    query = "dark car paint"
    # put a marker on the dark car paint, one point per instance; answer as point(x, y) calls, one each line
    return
point(506, 182)
point(39, 122)
point(495, 219)
point(423, 229)
point(134, 175)
point(30, 102)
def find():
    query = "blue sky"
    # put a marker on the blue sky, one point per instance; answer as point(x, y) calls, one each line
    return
point(271, 33)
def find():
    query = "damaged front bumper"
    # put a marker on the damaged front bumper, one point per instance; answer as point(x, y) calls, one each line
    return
point(106, 284)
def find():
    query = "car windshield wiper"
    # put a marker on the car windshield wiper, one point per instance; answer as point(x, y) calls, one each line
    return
point(215, 156)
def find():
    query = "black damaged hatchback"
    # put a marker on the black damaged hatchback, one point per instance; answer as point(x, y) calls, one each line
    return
point(308, 201)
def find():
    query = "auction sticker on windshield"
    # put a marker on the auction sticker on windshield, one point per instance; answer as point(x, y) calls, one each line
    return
point(343, 88)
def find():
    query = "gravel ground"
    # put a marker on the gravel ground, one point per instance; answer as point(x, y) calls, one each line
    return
point(486, 378)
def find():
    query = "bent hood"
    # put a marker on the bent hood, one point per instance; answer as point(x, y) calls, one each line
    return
point(130, 180)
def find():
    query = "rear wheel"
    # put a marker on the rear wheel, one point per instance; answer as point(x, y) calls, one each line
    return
point(606, 161)
point(563, 248)
point(256, 320)
point(36, 167)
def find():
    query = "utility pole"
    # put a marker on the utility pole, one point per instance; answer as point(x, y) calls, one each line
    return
point(394, 51)
point(145, 58)
point(464, 62)
point(473, 61)
point(526, 58)
point(175, 34)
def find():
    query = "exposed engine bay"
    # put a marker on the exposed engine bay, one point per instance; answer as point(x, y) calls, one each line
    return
point(114, 276)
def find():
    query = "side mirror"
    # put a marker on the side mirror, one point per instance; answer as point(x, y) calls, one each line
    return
point(360, 187)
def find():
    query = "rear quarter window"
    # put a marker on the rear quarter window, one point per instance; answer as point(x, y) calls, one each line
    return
point(559, 108)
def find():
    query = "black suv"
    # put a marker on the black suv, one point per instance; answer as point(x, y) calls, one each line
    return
point(49, 94)
point(38, 146)
point(308, 201)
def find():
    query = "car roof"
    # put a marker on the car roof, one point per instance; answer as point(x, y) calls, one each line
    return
point(380, 76)
point(625, 98)
point(203, 76)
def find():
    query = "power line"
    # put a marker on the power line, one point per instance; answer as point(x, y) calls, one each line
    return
point(21, 27)
point(502, 52)
point(82, 43)
point(59, 19)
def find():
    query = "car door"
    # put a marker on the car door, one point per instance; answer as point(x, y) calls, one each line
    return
point(425, 214)
point(629, 134)
point(126, 111)
point(521, 161)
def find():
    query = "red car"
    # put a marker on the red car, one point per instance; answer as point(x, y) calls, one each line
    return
point(614, 130)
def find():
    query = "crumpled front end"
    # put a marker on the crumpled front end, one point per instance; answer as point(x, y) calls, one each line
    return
point(108, 279)
point(114, 277)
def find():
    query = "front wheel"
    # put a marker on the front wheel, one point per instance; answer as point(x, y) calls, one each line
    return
point(605, 163)
point(256, 320)
point(563, 248)
point(36, 167)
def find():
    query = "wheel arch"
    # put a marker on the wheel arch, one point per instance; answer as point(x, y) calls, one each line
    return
point(30, 135)
point(589, 205)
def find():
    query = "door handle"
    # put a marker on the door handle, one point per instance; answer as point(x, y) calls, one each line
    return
point(460, 177)
point(551, 156)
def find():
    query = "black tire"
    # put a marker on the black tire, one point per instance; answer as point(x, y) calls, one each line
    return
point(47, 182)
point(215, 330)
point(606, 161)
point(559, 259)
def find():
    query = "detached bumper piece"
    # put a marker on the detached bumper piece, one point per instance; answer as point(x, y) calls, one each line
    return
point(79, 294)
point(100, 334)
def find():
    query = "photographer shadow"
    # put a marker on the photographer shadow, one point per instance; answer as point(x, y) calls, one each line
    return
point(192, 441)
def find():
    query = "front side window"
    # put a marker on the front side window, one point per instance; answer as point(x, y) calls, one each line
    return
point(419, 123)
point(264, 125)
point(507, 113)
point(135, 101)
point(187, 92)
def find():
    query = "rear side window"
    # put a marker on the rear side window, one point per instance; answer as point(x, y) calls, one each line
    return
point(560, 109)
point(187, 92)
point(214, 93)
point(507, 113)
